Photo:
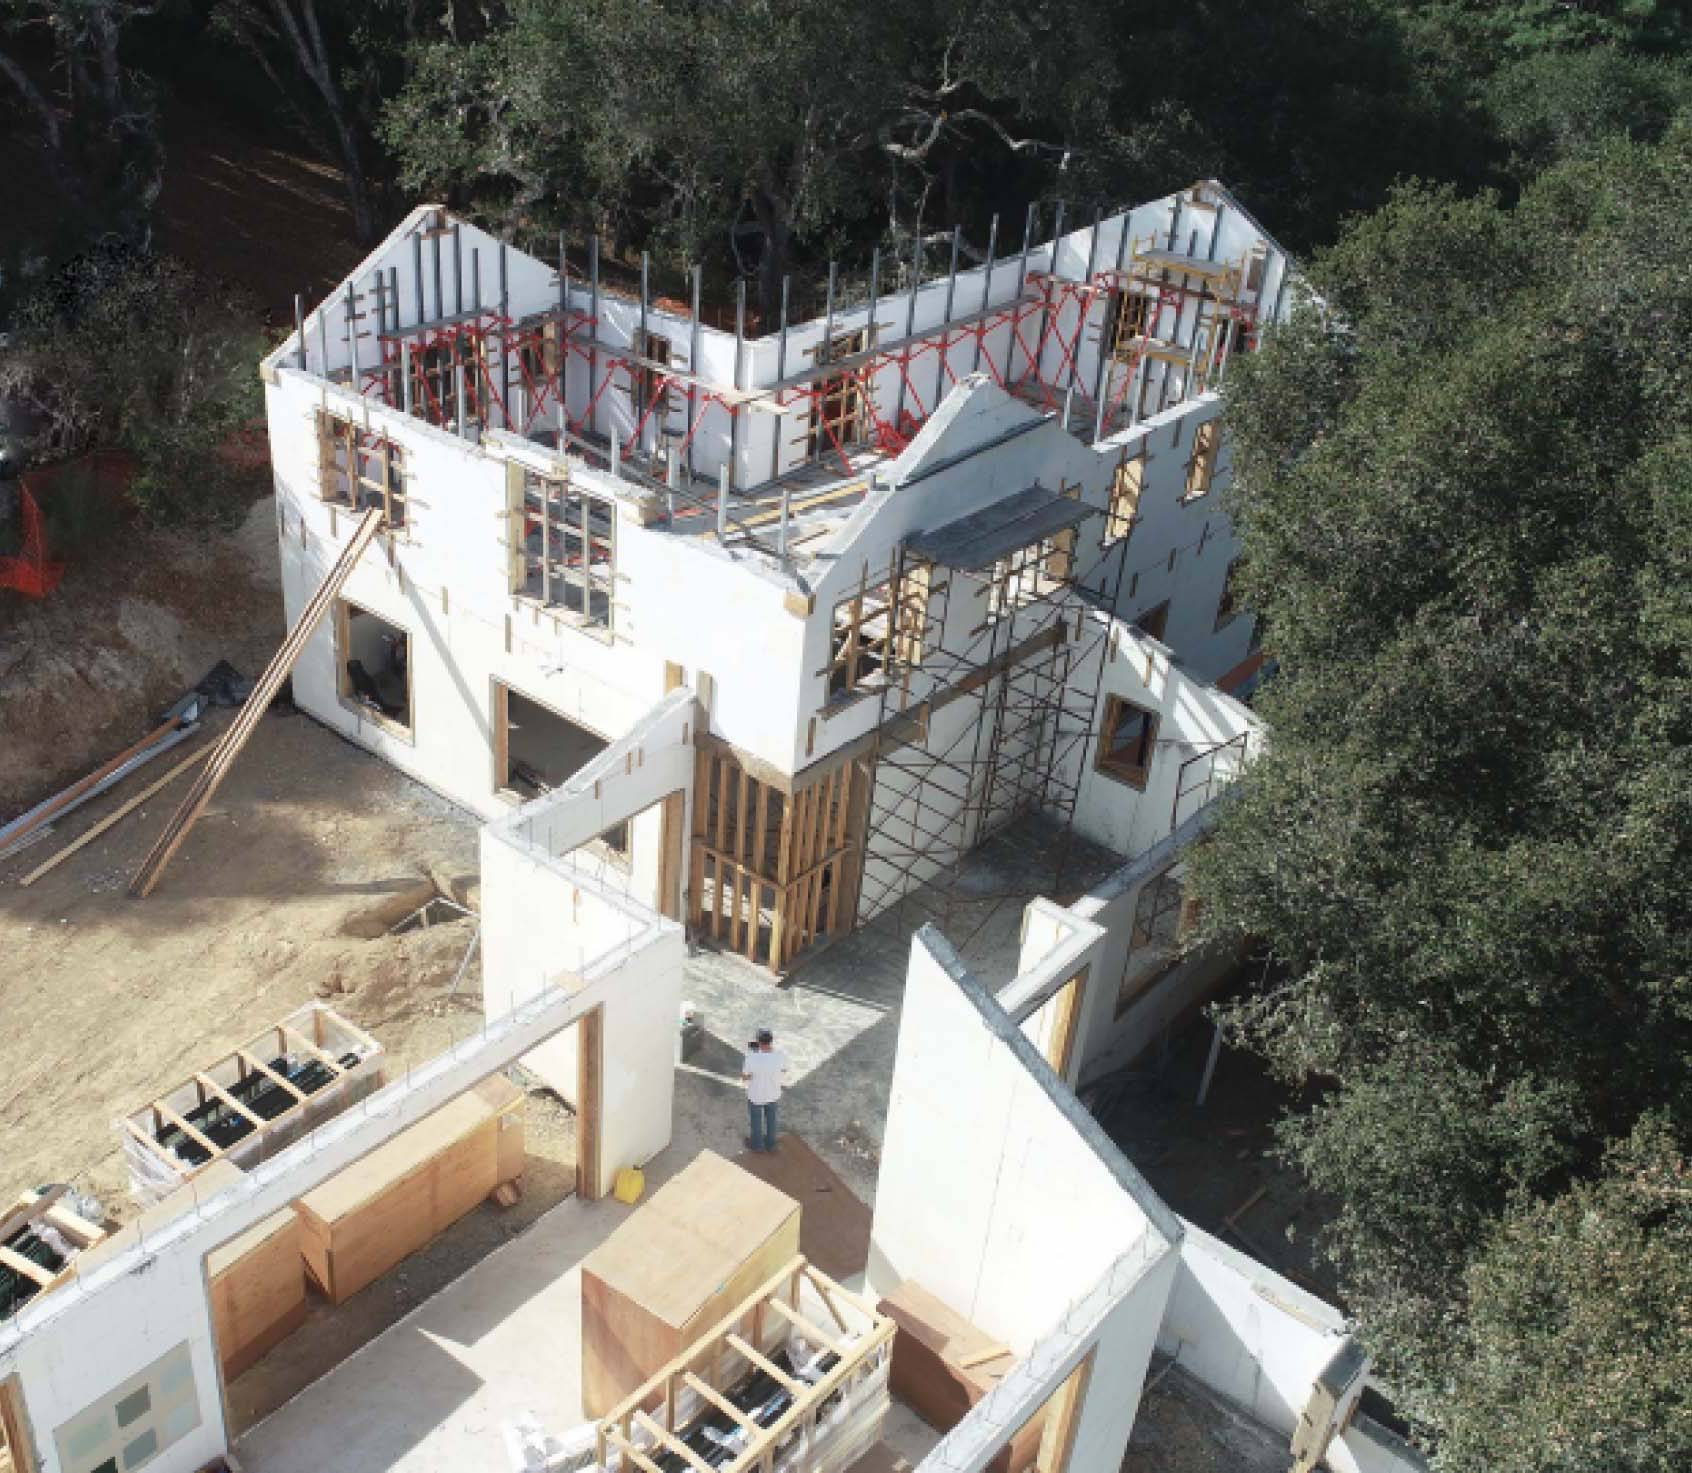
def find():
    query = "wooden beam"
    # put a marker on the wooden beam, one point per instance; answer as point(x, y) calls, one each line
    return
point(205, 1081)
point(261, 1067)
point(768, 1367)
point(805, 1327)
point(674, 1443)
point(334, 1065)
point(27, 1208)
point(252, 711)
point(703, 1390)
point(631, 1452)
point(28, 1267)
point(113, 817)
point(159, 1107)
point(589, 1102)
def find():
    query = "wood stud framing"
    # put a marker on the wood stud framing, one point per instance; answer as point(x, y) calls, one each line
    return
point(740, 1342)
point(359, 468)
point(773, 871)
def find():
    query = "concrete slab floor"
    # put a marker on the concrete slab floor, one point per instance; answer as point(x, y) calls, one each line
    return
point(436, 1390)
point(836, 1014)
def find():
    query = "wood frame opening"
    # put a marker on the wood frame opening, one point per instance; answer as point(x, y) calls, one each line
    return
point(1164, 920)
point(839, 404)
point(1201, 468)
point(1127, 482)
point(1127, 741)
point(373, 667)
point(564, 547)
point(878, 634)
point(775, 871)
point(537, 749)
point(360, 468)
point(1154, 621)
point(1129, 321)
point(649, 373)
point(17, 1447)
point(1227, 604)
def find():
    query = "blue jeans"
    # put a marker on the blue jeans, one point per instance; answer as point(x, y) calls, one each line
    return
point(763, 1125)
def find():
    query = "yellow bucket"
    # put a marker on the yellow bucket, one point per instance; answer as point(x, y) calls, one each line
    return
point(630, 1185)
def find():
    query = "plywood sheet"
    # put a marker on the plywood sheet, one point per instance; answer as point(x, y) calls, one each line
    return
point(258, 1291)
point(706, 1240)
point(363, 1221)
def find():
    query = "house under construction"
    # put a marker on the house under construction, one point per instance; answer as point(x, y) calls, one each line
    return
point(753, 645)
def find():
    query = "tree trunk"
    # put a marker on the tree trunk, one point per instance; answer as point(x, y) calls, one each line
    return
point(772, 215)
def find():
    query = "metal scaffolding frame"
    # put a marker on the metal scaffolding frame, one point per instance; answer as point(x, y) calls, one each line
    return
point(1031, 676)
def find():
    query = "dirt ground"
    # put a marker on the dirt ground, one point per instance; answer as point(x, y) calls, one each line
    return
point(1214, 1163)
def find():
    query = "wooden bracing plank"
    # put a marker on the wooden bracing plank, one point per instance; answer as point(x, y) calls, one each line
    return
point(247, 719)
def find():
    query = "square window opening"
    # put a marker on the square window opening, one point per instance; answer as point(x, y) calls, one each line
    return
point(1127, 742)
point(565, 547)
point(877, 635)
point(838, 403)
point(1201, 469)
point(374, 667)
point(537, 750)
point(360, 469)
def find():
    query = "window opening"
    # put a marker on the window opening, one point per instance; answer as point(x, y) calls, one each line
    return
point(1127, 742)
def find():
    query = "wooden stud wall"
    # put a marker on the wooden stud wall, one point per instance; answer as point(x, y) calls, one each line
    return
point(771, 869)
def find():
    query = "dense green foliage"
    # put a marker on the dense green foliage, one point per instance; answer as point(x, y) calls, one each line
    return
point(182, 384)
point(1465, 491)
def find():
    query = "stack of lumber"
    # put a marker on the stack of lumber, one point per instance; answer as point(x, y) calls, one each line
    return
point(364, 1220)
point(251, 1103)
point(943, 1365)
point(40, 1239)
point(667, 1276)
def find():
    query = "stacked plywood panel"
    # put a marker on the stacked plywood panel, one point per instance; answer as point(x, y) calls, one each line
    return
point(668, 1275)
point(359, 1224)
point(258, 1291)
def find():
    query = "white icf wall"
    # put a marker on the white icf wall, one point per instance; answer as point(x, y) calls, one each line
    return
point(70, 1349)
point(444, 579)
point(999, 1195)
point(1261, 1342)
point(548, 912)
point(1192, 760)
point(433, 267)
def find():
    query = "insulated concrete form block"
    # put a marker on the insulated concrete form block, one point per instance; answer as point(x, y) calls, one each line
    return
point(1247, 1333)
point(1027, 1221)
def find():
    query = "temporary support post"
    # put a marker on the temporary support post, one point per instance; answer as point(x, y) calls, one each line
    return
point(910, 324)
point(505, 335)
point(299, 333)
point(593, 340)
point(946, 316)
point(986, 294)
point(352, 337)
point(458, 387)
point(694, 348)
point(323, 336)
point(1021, 286)
point(476, 280)
point(458, 270)
point(435, 263)
point(722, 503)
point(781, 373)
point(641, 378)
point(405, 375)
point(739, 376)
point(417, 276)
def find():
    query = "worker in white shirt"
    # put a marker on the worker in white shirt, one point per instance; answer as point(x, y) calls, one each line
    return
point(763, 1073)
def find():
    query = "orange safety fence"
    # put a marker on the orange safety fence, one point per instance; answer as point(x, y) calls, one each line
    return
point(91, 485)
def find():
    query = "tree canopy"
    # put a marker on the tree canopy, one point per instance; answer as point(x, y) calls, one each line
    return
point(1465, 494)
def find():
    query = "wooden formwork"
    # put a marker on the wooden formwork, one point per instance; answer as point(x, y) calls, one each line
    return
point(774, 868)
point(775, 1389)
